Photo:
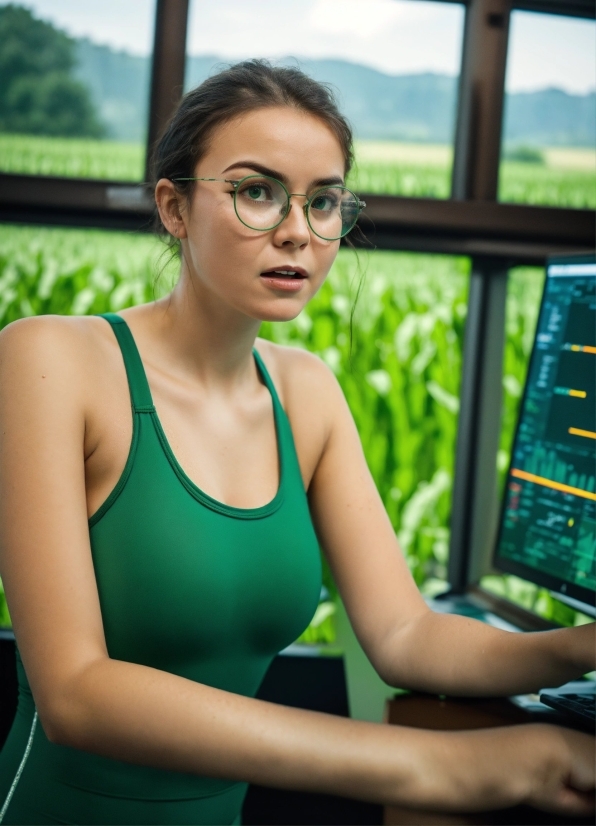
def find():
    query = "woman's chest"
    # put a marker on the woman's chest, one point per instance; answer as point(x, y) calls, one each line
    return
point(184, 585)
point(228, 450)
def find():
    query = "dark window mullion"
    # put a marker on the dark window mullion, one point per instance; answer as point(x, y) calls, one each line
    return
point(567, 8)
point(475, 178)
point(167, 69)
point(480, 105)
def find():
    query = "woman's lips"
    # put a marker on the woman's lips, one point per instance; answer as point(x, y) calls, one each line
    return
point(280, 279)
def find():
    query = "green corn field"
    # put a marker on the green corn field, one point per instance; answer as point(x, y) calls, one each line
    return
point(562, 177)
point(72, 157)
point(399, 365)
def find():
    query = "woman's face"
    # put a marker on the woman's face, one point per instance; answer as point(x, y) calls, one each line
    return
point(227, 258)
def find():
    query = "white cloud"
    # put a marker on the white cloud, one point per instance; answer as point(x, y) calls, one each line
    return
point(393, 36)
point(353, 17)
point(121, 24)
point(547, 50)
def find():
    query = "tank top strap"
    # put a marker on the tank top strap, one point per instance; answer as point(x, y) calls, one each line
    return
point(268, 380)
point(140, 393)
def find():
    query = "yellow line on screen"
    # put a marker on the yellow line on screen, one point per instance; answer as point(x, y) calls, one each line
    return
point(588, 434)
point(549, 483)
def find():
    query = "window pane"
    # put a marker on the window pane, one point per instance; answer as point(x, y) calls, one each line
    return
point(549, 137)
point(395, 64)
point(75, 87)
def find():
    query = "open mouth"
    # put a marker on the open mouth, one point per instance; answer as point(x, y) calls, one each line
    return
point(286, 280)
point(283, 274)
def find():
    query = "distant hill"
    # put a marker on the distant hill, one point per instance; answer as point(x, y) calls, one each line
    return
point(379, 106)
point(417, 107)
point(119, 84)
point(550, 117)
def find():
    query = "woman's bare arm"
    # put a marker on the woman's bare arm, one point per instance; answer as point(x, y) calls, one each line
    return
point(409, 645)
point(131, 712)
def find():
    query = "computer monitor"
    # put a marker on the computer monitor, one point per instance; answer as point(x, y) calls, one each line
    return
point(547, 531)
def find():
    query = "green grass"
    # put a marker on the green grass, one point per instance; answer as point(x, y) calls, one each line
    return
point(75, 271)
point(566, 178)
point(401, 179)
point(413, 170)
point(72, 157)
point(526, 183)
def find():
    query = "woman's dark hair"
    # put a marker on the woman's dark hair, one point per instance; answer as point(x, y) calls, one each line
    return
point(242, 88)
point(236, 90)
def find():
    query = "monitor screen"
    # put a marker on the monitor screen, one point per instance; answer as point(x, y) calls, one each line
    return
point(547, 531)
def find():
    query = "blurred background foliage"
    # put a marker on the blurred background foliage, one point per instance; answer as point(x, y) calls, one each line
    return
point(400, 369)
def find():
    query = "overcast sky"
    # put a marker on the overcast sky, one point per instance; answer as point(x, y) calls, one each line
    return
point(394, 36)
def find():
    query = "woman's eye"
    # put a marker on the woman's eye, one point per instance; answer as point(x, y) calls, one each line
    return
point(324, 203)
point(256, 192)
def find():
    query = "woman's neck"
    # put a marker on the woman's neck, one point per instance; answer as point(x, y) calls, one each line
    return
point(196, 333)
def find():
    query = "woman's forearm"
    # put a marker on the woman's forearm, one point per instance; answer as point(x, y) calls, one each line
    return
point(149, 717)
point(141, 715)
point(450, 654)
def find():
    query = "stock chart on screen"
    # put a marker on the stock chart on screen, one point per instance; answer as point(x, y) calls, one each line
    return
point(548, 524)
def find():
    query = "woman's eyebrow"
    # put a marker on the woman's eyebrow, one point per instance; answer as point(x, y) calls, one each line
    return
point(264, 170)
point(334, 179)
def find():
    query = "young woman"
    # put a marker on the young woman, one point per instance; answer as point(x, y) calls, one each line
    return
point(155, 563)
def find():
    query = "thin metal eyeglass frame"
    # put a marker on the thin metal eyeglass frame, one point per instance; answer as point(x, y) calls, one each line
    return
point(305, 208)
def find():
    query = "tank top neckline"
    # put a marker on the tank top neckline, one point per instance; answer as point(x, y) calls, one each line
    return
point(142, 403)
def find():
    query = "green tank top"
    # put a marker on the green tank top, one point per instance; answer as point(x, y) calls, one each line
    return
point(187, 585)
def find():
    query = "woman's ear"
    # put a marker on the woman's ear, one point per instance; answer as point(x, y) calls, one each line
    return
point(168, 206)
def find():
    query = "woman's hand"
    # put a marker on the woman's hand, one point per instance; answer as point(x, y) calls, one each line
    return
point(565, 783)
point(578, 647)
point(545, 766)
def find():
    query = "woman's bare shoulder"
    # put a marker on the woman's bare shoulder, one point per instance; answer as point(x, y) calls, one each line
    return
point(297, 371)
point(33, 330)
point(308, 391)
point(47, 335)
point(47, 372)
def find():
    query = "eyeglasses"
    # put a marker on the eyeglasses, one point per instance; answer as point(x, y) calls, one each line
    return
point(262, 203)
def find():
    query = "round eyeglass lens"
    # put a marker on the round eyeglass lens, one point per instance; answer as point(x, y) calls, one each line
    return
point(332, 212)
point(260, 202)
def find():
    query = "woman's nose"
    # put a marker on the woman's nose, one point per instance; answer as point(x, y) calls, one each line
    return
point(294, 227)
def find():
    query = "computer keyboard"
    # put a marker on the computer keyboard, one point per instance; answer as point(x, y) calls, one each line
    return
point(580, 703)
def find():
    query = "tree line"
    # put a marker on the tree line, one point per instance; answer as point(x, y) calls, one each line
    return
point(39, 94)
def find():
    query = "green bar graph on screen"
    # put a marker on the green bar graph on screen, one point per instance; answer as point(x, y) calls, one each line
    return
point(548, 465)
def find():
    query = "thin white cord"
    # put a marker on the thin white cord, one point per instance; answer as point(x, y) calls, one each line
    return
point(17, 776)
